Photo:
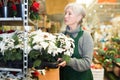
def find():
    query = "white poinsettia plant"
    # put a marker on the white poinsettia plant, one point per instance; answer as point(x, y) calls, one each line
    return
point(11, 46)
point(42, 46)
point(49, 47)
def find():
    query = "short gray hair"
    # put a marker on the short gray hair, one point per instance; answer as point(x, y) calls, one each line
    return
point(77, 8)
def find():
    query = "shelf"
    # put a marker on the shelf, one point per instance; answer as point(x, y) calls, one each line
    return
point(11, 69)
point(11, 19)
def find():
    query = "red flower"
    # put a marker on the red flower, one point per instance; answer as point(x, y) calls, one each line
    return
point(35, 6)
point(36, 73)
point(14, 7)
point(105, 49)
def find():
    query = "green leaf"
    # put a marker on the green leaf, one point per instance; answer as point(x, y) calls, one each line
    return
point(37, 63)
point(7, 55)
point(101, 52)
point(66, 58)
point(30, 42)
point(1, 38)
point(15, 37)
point(34, 54)
point(58, 43)
point(18, 56)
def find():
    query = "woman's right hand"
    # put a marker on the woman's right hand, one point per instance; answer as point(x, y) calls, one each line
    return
point(61, 62)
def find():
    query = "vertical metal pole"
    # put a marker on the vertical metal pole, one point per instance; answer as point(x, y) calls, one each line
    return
point(25, 55)
point(5, 11)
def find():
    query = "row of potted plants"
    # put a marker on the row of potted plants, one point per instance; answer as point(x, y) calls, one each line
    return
point(42, 47)
point(10, 8)
point(13, 8)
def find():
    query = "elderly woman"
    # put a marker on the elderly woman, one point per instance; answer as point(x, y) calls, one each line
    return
point(78, 66)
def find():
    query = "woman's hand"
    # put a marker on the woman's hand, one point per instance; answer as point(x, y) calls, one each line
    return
point(62, 63)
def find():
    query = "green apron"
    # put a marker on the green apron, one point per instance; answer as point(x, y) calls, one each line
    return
point(68, 73)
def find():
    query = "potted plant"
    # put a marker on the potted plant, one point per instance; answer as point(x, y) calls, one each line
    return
point(12, 49)
point(47, 48)
point(34, 7)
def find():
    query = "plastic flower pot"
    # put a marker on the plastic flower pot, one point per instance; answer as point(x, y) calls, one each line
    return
point(49, 64)
point(18, 64)
point(51, 74)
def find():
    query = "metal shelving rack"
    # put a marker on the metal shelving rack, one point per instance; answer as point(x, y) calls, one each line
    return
point(25, 24)
point(23, 19)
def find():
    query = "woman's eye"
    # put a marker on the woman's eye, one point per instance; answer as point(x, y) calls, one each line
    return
point(69, 13)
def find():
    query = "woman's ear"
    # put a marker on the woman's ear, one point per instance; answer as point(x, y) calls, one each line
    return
point(79, 18)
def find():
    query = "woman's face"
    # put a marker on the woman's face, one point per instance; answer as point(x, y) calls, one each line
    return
point(70, 17)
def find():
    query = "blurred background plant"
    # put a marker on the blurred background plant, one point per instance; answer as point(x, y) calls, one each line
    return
point(109, 55)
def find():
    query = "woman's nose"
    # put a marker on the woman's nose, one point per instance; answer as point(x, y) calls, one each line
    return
point(66, 16)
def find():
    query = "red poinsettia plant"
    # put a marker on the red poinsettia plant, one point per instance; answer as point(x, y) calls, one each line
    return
point(12, 7)
point(34, 10)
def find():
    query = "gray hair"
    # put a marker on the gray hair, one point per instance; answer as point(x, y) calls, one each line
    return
point(77, 8)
